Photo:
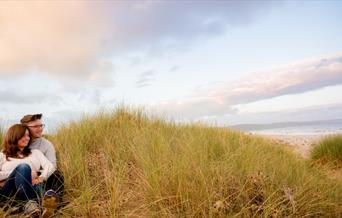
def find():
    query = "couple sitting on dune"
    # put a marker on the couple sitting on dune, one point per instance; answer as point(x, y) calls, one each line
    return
point(29, 179)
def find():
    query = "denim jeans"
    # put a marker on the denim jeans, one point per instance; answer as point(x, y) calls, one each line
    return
point(19, 184)
point(56, 183)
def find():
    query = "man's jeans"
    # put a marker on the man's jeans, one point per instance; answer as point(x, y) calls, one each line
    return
point(19, 184)
point(56, 183)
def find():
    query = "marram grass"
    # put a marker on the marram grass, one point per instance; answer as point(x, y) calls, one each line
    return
point(329, 149)
point(126, 164)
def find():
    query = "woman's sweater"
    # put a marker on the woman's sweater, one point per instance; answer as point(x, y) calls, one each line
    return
point(36, 160)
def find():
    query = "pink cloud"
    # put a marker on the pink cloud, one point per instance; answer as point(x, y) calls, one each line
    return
point(72, 39)
point(294, 78)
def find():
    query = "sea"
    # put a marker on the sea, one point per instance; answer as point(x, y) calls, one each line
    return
point(321, 127)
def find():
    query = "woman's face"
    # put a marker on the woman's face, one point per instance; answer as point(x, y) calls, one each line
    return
point(23, 142)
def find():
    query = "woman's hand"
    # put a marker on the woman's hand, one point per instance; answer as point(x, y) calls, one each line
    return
point(37, 180)
point(34, 175)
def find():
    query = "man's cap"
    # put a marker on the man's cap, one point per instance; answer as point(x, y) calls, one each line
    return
point(30, 117)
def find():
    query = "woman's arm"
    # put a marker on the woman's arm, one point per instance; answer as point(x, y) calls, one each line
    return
point(47, 166)
point(3, 174)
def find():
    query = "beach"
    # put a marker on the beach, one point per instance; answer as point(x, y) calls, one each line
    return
point(301, 143)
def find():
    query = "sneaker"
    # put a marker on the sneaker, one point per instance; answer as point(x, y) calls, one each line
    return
point(32, 209)
point(50, 202)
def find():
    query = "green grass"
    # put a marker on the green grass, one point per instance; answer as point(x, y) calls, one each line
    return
point(328, 150)
point(127, 164)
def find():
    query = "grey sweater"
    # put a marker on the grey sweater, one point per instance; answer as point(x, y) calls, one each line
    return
point(46, 147)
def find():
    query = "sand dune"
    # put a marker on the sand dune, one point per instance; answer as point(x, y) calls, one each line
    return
point(301, 144)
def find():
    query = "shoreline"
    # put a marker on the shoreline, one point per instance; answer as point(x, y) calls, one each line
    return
point(300, 143)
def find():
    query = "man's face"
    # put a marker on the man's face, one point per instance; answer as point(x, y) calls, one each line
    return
point(36, 128)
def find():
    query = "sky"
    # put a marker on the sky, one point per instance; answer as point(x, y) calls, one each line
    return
point(221, 62)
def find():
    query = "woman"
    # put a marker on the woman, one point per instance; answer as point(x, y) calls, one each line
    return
point(19, 168)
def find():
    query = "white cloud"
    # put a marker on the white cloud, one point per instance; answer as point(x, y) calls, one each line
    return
point(319, 112)
point(73, 39)
point(174, 68)
point(295, 78)
point(7, 97)
point(93, 97)
point(145, 79)
point(59, 39)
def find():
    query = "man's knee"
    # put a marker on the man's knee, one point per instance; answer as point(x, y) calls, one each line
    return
point(56, 176)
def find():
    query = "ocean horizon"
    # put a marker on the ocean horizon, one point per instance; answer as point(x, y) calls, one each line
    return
point(321, 127)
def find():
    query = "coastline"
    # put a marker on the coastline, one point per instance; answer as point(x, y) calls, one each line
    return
point(300, 143)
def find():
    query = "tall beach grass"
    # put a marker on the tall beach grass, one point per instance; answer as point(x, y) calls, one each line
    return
point(329, 150)
point(127, 164)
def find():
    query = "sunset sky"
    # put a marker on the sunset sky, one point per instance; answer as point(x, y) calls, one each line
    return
point(222, 62)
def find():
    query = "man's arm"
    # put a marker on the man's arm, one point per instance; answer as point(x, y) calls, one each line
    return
point(50, 152)
point(47, 166)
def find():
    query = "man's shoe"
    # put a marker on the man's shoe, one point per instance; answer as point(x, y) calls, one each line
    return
point(50, 202)
point(32, 209)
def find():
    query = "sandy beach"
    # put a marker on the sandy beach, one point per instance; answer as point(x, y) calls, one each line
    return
point(301, 144)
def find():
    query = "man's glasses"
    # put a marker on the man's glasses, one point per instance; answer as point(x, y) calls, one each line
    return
point(37, 126)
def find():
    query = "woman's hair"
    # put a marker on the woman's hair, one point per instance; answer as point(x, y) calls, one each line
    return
point(10, 144)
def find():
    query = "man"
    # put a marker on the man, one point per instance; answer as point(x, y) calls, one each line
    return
point(55, 183)
point(36, 127)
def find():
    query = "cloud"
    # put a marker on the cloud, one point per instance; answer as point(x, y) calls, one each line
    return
point(292, 79)
point(167, 21)
point(59, 39)
point(174, 68)
point(92, 96)
point(65, 116)
point(320, 112)
point(7, 97)
point(295, 78)
point(72, 39)
point(145, 79)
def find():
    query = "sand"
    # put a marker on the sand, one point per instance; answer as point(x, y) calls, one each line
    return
point(301, 144)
